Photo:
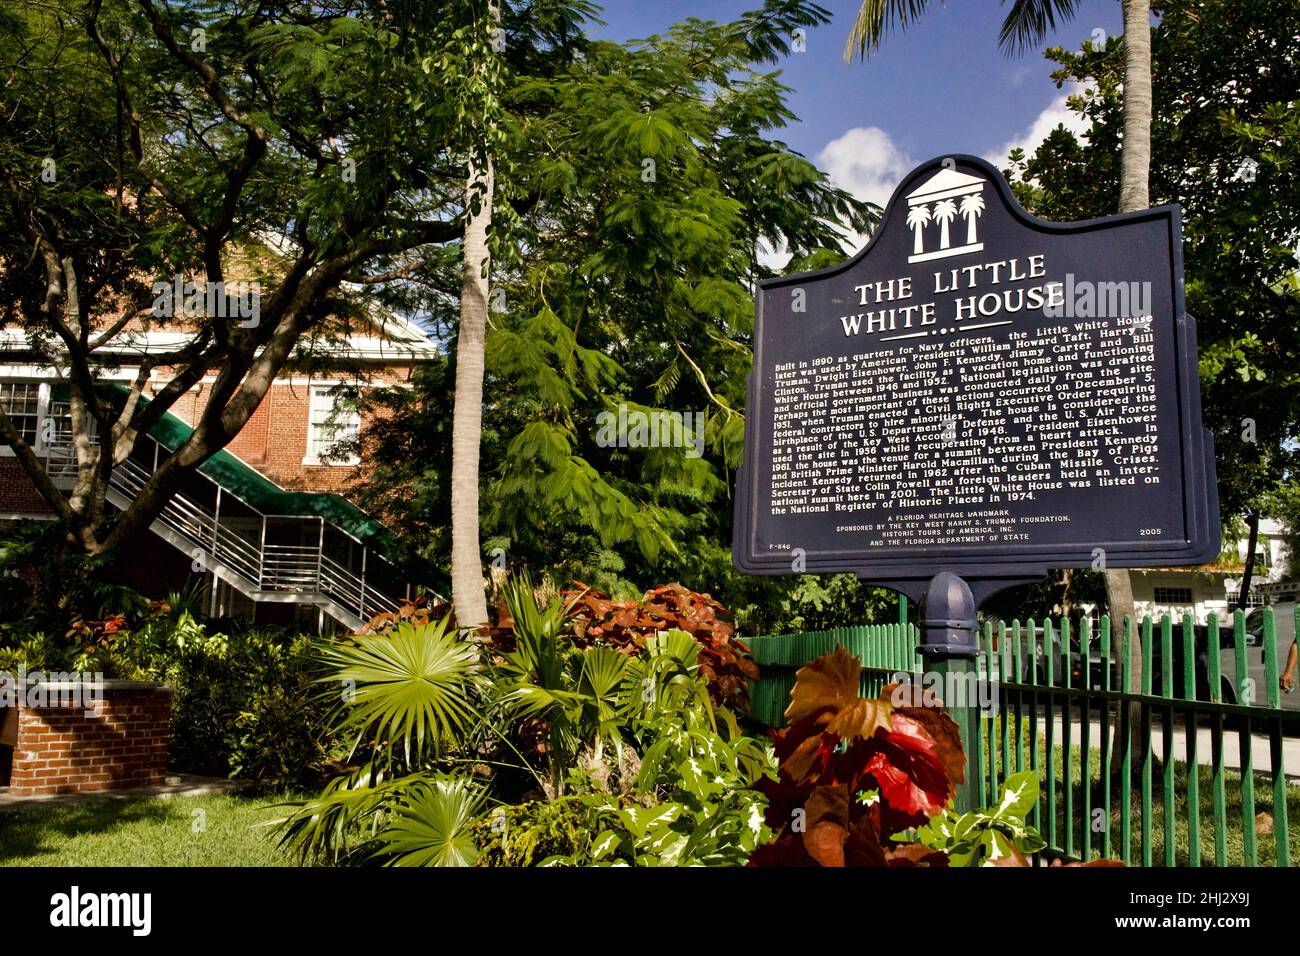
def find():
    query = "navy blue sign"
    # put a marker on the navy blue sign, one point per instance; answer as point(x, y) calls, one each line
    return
point(978, 391)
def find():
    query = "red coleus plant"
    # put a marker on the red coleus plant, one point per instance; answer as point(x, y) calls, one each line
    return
point(854, 771)
point(593, 619)
point(96, 635)
point(624, 625)
point(418, 611)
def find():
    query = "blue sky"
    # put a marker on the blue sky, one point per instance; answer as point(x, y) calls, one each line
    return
point(941, 86)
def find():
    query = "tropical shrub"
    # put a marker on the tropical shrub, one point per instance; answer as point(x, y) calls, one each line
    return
point(245, 705)
point(527, 834)
point(633, 763)
point(21, 649)
point(853, 772)
point(996, 836)
point(409, 701)
point(985, 837)
point(697, 805)
point(692, 801)
point(724, 660)
point(558, 695)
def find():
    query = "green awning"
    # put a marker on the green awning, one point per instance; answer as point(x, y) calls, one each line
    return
point(262, 494)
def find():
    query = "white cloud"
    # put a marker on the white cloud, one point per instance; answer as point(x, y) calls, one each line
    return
point(774, 259)
point(1056, 114)
point(866, 162)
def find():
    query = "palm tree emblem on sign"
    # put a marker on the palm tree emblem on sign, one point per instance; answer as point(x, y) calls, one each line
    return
point(917, 217)
point(940, 199)
point(972, 206)
point(945, 211)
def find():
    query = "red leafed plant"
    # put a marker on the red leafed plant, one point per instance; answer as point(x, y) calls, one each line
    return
point(624, 625)
point(96, 635)
point(417, 611)
point(854, 771)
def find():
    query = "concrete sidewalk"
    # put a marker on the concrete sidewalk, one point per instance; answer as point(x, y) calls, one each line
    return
point(1261, 757)
point(176, 785)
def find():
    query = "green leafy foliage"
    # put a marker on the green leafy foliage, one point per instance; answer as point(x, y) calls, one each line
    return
point(723, 660)
point(526, 834)
point(432, 825)
point(692, 803)
point(980, 837)
point(244, 705)
point(316, 149)
point(704, 811)
point(633, 763)
point(654, 175)
point(407, 688)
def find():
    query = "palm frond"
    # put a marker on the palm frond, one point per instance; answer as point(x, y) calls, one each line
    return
point(349, 812)
point(876, 18)
point(1029, 21)
point(432, 828)
point(410, 686)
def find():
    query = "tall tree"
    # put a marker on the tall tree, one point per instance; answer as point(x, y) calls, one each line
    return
point(300, 145)
point(1027, 23)
point(1226, 149)
point(467, 592)
point(650, 168)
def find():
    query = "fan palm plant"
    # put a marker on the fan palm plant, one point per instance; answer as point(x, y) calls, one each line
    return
point(432, 825)
point(577, 693)
point(410, 696)
point(410, 687)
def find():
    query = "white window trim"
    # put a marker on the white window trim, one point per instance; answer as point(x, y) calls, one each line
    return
point(321, 397)
point(42, 413)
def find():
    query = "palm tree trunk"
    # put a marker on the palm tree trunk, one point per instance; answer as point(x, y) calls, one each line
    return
point(467, 592)
point(1135, 157)
point(1134, 194)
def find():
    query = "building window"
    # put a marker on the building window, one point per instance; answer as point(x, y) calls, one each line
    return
point(334, 428)
point(61, 415)
point(1181, 596)
point(1253, 599)
point(21, 402)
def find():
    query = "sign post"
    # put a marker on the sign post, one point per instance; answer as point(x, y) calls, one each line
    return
point(974, 398)
point(949, 649)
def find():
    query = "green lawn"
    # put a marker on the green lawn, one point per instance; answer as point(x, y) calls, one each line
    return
point(217, 830)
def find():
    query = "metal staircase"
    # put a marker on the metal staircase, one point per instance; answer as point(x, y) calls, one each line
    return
point(264, 572)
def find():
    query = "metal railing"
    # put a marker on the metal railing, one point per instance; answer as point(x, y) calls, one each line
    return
point(256, 567)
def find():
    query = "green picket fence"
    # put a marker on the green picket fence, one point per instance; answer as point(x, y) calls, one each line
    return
point(884, 649)
point(1188, 768)
point(1182, 764)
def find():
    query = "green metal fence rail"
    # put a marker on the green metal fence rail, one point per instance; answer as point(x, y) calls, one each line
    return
point(884, 649)
point(1157, 767)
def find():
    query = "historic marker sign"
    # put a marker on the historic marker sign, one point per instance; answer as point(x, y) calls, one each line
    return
point(978, 391)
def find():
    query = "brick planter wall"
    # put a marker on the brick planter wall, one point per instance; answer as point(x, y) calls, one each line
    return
point(123, 744)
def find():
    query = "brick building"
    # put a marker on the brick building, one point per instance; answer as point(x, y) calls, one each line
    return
point(266, 522)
